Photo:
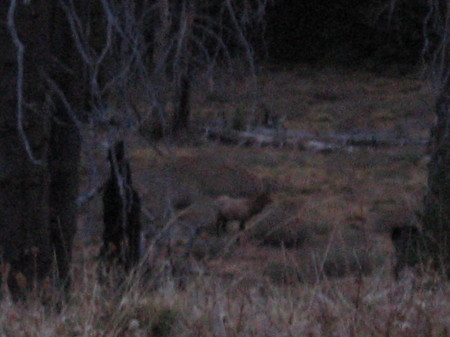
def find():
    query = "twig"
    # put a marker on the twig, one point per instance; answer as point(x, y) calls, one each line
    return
point(20, 80)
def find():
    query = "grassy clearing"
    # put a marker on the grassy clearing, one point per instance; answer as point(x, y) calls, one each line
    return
point(335, 210)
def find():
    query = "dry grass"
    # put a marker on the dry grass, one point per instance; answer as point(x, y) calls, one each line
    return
point(213, 306)
point(317, 262)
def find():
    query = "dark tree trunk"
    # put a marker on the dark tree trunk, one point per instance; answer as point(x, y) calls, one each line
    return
point(181, 117)
point(64, 158)
point(24, 185)
point(37, 197)
point(437, 200)
point(436, 217)
point(121, 213)
point(65, 142)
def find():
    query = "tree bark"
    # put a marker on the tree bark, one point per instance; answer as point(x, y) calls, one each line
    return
point(436, 217)
point(65, 142)
point(121, 213)
point(63, 160)
point(182, 113)
point(24, 185)
point(437, 200)
point(38, 184)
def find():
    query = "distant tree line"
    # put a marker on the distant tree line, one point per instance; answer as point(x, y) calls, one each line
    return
point(346, 30)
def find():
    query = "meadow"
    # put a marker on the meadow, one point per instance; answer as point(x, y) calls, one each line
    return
point(317, 261)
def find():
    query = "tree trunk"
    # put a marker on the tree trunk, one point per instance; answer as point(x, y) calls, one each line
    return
point(24, 185)
point(121, 213)
point(63, 160)
point(65, 143)
point(184, 22)
point(437, 200)
point(182, 113)
point(39, 156)
point(436, 216)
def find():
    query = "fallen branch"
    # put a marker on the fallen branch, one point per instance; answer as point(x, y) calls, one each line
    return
point(302, 140)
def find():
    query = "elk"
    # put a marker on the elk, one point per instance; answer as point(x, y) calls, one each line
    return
point(121, 212)
point(240, 209)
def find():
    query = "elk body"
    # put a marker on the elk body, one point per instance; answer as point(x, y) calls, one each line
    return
point(239, 209)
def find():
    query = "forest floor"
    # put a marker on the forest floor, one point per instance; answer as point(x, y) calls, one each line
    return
point(336, 207)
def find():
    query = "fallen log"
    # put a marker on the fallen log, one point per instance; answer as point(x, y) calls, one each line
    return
point(303, 140)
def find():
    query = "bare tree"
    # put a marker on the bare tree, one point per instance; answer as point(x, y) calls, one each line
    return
point(436, 214)
point(39, 151)
point(191, 37)
point(436, 217)
point(73, 67)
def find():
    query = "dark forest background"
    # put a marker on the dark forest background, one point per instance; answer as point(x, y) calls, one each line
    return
point(373, 32)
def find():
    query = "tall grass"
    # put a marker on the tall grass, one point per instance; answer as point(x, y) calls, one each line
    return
point(216, 306)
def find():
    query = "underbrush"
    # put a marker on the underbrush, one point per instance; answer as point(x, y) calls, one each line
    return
point(213, 306)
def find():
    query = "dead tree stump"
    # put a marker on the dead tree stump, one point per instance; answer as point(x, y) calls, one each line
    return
point(407, 241)
point(121, 213)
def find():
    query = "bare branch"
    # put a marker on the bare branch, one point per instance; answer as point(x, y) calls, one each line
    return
point(20, 81)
